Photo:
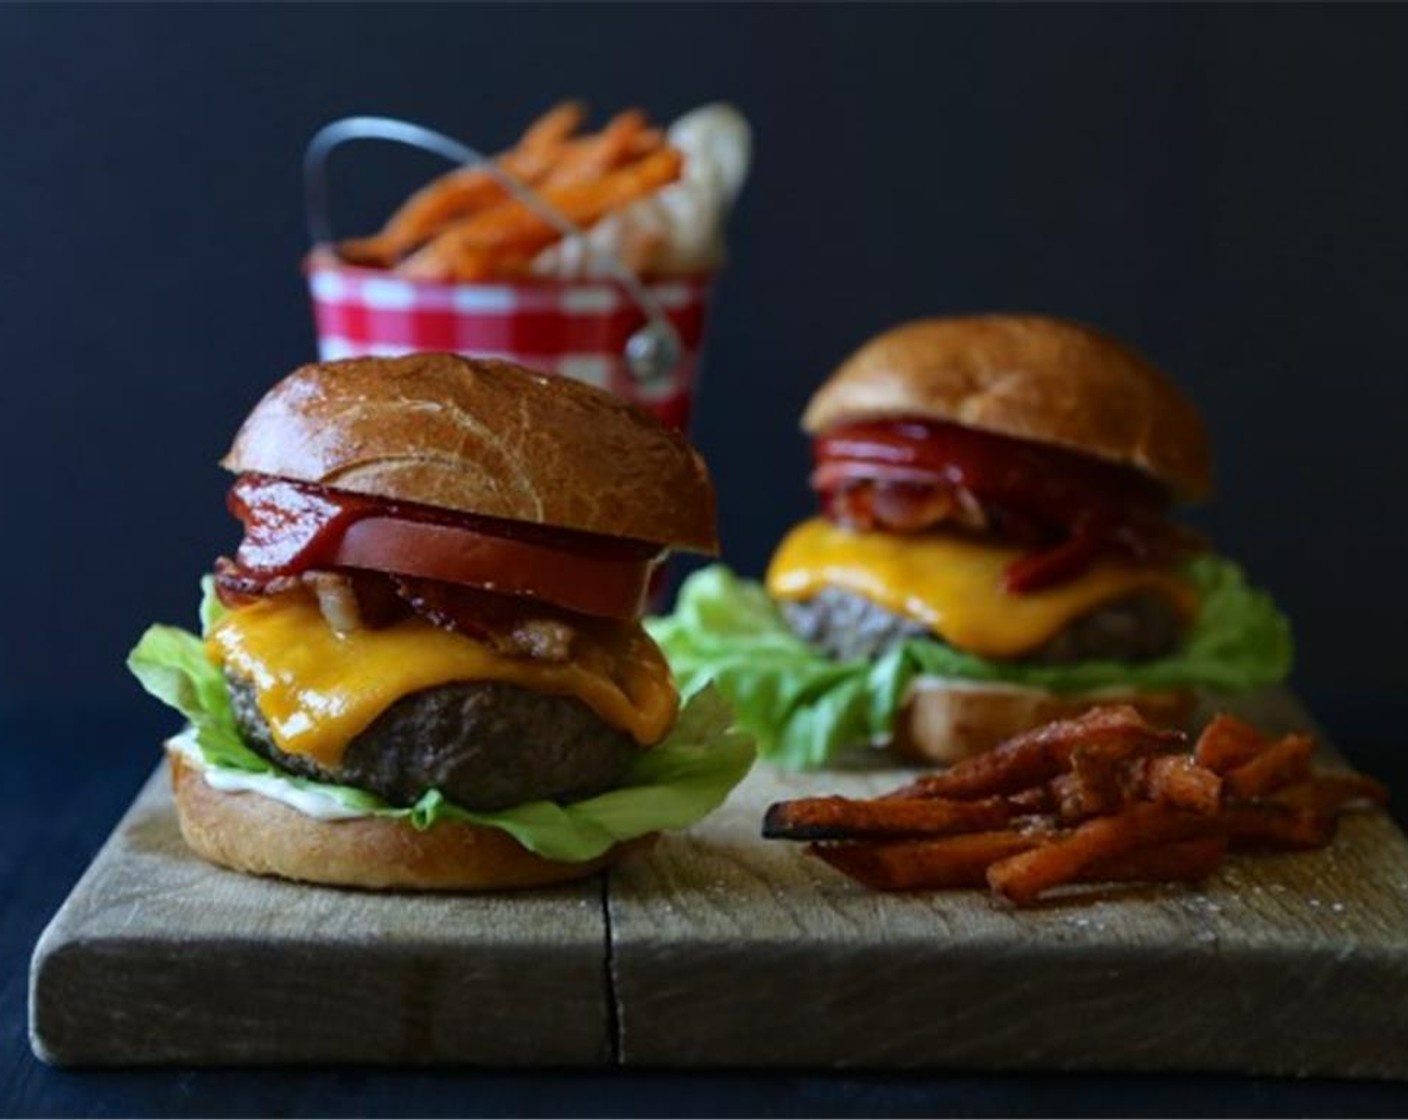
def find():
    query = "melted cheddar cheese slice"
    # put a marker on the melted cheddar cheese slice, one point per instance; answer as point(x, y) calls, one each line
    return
point(318, 689)
point(953, 585)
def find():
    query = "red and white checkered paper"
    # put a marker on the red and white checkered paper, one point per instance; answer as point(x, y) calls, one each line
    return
point(575, 328)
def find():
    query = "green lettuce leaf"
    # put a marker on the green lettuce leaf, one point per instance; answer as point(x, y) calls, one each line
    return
point(672, 785)
point(804, 708)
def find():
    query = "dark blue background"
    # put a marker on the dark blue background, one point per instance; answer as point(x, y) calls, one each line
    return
point(1225, 187)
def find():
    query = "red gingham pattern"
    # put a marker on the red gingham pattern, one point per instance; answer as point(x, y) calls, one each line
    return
point(575, 328)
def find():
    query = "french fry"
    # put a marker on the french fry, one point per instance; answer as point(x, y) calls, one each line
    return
point(553, 129)
point(1282, 763)
point(1101, 775)
point(1327, 793)
point(963, 861)
point(1106, 782)
point(511, 228)
point(1226, 743)
point(1069, 795)
point(1039, 755)
point(1024, 878)
point(840, 818)
point(1096, 772)
point(627, 135)
point(948, 864)
point(1186, 861)
point(1037, 801)
point(466, 190)
point(1100, 799)
point(1176, 780)
point(1277, 827)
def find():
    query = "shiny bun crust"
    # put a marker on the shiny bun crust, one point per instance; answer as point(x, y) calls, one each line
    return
point(944, 721)
point(260, 836)
point(1036, 378)
point(484, 437)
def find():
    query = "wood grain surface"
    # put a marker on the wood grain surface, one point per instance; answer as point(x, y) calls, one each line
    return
point(720, 949)
point(727, 951)
point(160, 958)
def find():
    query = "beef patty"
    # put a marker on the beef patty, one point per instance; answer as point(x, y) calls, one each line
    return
point(482, 744)
point(846, 626)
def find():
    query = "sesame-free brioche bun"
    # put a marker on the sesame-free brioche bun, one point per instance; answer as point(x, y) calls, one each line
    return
point(1031, 377)
point(945, 721)
point(255, 834)
point(483, 437)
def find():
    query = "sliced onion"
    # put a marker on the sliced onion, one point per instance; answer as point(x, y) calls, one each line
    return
point(336, 599)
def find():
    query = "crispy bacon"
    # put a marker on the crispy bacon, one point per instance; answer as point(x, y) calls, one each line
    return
point(349, 600)
point(513, 626)
point(1053, 556)
point(237, 586)
point(1064, 509)
point(352, 600)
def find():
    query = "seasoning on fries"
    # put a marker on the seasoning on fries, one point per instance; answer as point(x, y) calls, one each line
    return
point(1104, 798)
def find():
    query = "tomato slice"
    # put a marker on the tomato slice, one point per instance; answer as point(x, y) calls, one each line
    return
point(611, 587)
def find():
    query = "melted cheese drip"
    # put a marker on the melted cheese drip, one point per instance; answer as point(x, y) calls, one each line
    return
point(953, 585)
point(318, 689)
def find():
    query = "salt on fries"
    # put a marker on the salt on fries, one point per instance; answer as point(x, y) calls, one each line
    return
point(464, 226)
point(1105, 798)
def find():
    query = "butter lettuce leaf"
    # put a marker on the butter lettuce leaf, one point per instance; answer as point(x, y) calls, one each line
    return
point(804, 708)
point(672, 785)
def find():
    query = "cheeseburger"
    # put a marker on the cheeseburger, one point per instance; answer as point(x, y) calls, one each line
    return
point(423, 666)
point(994, 549)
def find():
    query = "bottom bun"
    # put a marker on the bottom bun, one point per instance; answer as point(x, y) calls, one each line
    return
point(248, 832)
point(945, 721)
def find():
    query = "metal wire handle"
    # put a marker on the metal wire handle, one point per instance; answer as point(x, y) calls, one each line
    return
point(652, 352)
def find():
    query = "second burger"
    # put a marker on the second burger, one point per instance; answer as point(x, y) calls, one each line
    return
point(994, 551)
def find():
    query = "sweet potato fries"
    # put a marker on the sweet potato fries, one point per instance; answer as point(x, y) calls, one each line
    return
point(1105, 798)
point(465, 226)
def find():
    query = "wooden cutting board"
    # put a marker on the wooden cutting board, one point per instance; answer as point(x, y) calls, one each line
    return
point(720, 949)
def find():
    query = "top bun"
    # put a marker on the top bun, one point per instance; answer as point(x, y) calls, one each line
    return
point(484, 437)
point(1028, 376)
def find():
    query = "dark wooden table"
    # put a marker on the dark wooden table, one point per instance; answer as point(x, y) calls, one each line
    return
point(67, 773)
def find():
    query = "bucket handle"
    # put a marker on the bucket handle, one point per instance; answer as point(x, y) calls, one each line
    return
point(652, 352)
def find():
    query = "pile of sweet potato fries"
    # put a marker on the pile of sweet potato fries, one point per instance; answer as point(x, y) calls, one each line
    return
point(465, 226)
point(1105, 798)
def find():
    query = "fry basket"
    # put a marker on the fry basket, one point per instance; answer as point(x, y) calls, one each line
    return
point(575, 328)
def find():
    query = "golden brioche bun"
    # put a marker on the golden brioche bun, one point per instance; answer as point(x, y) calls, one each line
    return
point(484, 437)
point(1028, 376)
point(946, 721)
point(255, 834)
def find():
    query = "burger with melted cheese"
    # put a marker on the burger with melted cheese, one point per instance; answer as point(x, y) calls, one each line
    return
point(994, 549)
point(425, 666)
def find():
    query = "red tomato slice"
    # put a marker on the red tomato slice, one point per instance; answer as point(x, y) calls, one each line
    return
point(612, 587)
